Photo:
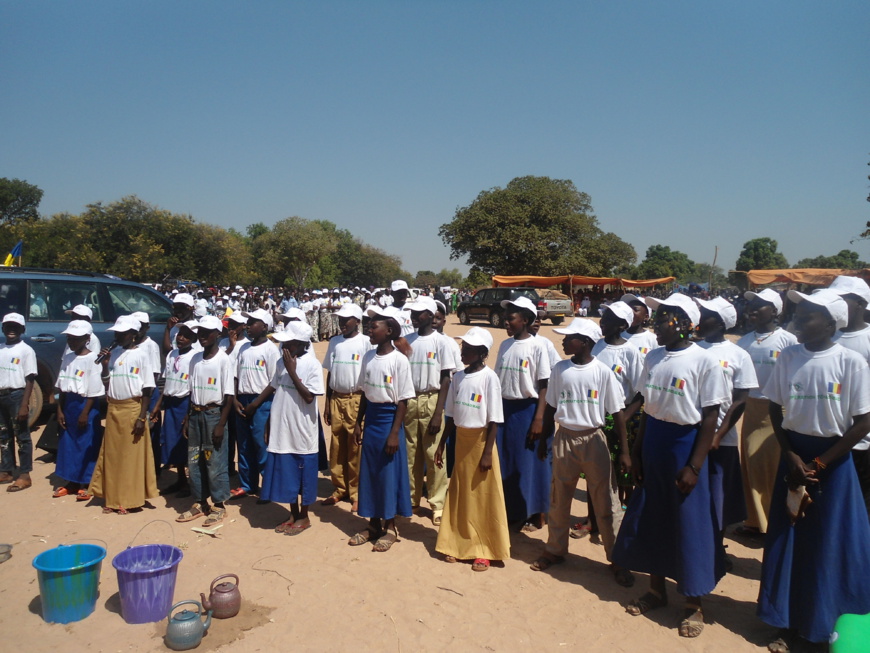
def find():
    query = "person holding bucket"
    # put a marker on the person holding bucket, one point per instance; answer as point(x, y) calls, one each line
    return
point(125, 475)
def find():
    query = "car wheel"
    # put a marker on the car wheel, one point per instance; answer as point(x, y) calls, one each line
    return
point(495, 319)
point(557, 320)
point(35, 406)
point(463, 317)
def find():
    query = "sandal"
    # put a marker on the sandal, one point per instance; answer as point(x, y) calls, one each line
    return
point(368, 535)
point(529, 527)
point(61, 492)
point(82, 495)
point(331, 501)
point(107, 510)
point(215, 517)
point(195, 512)
point(6, 477)
point(783, 643)
point(692, 624)
point(623, 576)
point(544, 562)
point(21, 483)
point(295, 530)
point(450, 559)
point(122, 511)
point(385, 542)
point(580, 530)
point(480, 564)
point(284, 525)
point(646, 603)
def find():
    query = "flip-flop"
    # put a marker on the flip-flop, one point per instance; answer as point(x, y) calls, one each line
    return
point(284, 525)
point(60, 492)
point(544, 563)
point(580, 530)
point(295, 530)
point(82, 495)
point(480, 564)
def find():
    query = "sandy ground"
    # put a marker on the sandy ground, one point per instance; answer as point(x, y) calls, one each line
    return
point(314, 592)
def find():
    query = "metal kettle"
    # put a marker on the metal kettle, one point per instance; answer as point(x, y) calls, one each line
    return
point(224, 600)
point(186, 629)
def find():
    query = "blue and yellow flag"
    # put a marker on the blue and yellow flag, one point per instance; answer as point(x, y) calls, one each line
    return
point(14, 254)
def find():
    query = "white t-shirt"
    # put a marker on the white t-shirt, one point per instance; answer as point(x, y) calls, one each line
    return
point(552, 354)
point(174, 332)
point(129, 373)
point(17, 362)
point(153, 350)
point(764, 350)
point(81, 375)
point(176, 373)
point(520, 365)
point(256, 367)
point(224, 344)
point(210, 379)
point(583, 394)
point(644, 340)
point(293, 422)
point(455, 351)
point(404, 320)
point(200, 307)
point(739, 375)
point(93, 345)
point(857, 341)
point(343, 361)
point(429, 358)
point(820, 391)
point(386, 379)
point(626, 362)
point(474, 400)
point(679, 384)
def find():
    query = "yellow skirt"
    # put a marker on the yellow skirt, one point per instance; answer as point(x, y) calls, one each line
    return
point(759, 456)
point(124, 475)
point(474, 523)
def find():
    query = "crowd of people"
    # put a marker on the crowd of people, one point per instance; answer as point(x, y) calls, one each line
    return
point(648, 417)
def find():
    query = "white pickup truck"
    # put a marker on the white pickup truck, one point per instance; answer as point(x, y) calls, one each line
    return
point(556, 304)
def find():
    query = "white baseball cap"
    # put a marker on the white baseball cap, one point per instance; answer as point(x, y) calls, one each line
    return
point(294, 314)
point(584, 327)
point(126, 323)
point(210, 322)
point(193, 325)
point(441, 306)
point(237, 317)
point(142, 316)
point(844, 285)
point(722, 307)
point(678, 300)
point(828, 299)
point(521, 302)
point(78, 328)
point(346, 310)
point(631, 297)
point(384, 311)
point(300, 331)
point(183, 298)
point(263, 315)
point(81, 309)
point(17, 318)
point(398, 284)
point(423, 303)
point(477, 337)
point(768, 295)
point(622, 310)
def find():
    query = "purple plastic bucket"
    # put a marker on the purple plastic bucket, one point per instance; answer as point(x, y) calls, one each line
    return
point(146, 581)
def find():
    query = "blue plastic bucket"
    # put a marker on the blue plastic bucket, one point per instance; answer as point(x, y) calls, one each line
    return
point(69, 579)
point(146, 581)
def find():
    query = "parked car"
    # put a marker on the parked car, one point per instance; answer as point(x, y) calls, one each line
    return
point(42, 296)
point(486, 304)
point(556, 304)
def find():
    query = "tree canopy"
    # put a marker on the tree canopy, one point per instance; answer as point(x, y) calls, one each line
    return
point(662, 261)
point(760, 254)
point(534, 225)
point(845, 259)
point(19, 201)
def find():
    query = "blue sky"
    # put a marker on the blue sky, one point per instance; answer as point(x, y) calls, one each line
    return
point(689, 124)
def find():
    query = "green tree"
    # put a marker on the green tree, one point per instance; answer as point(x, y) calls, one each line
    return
point(19, 201)
point(846, 259)
point(662, 261)
point(535, 225)
point(706, 273)
point(477, 279)
point(291, 249)
point(760, 254)
point(452, 278)
point(425, 278)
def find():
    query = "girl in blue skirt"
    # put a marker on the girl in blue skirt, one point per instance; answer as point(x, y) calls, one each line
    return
point(816, 563)
point(385, 380)
point(670, 529)
point(78, 412)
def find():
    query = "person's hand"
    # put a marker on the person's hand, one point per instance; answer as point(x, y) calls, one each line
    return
point(233, 336)
point(625, 463)
point(289, 361)
point(537, 428)
point(171, 322)
point(23, 413)
point(485, 463)
point(138, 429)
point(800, 473)
point(327, 415)
point(439, 457)
point(434, 425)
point(61, 420)
point(251, 409)
point(217, 436)
point(105, 352)
point(240, 409)
point(184, 427)
point(686, 480)
point(357, 434)
point(392, 445)
point(83, 420)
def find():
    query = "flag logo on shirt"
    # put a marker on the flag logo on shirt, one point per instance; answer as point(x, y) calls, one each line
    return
point(773, 354)
point(261, 363)
point(643, 350)
point(388, 378)
point(524, 362)
point(476, 398)
point(723, 363)
point(134, 370)
point(617, 368)
point(211, 380)
point(185, 377)
point(592, 394)
point(355, 357)
point(835, 388)
point(679, 384)
point(80, 373)
point(431, 355)
point(16, 361)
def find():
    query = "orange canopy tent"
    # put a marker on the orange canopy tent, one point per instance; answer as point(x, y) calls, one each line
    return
point(577, 280)
point(811, 276)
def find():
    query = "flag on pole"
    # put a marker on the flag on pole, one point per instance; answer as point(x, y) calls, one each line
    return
point(15, 253)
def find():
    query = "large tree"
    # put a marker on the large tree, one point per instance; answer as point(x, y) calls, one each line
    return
point(761, 254)
point(662, 261)
point(845, 259)
point(291, 250)
point(534, 225)
point(19, 201)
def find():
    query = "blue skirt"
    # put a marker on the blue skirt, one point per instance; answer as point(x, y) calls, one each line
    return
point(819, 568)
point(77, 450)
point(384, 488)
point(288, 476)
point(173, 445)
point(726, 485)
point(667, 533)
point(525, 478)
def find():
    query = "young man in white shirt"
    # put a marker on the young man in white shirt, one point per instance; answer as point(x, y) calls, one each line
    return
point(17, 376)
